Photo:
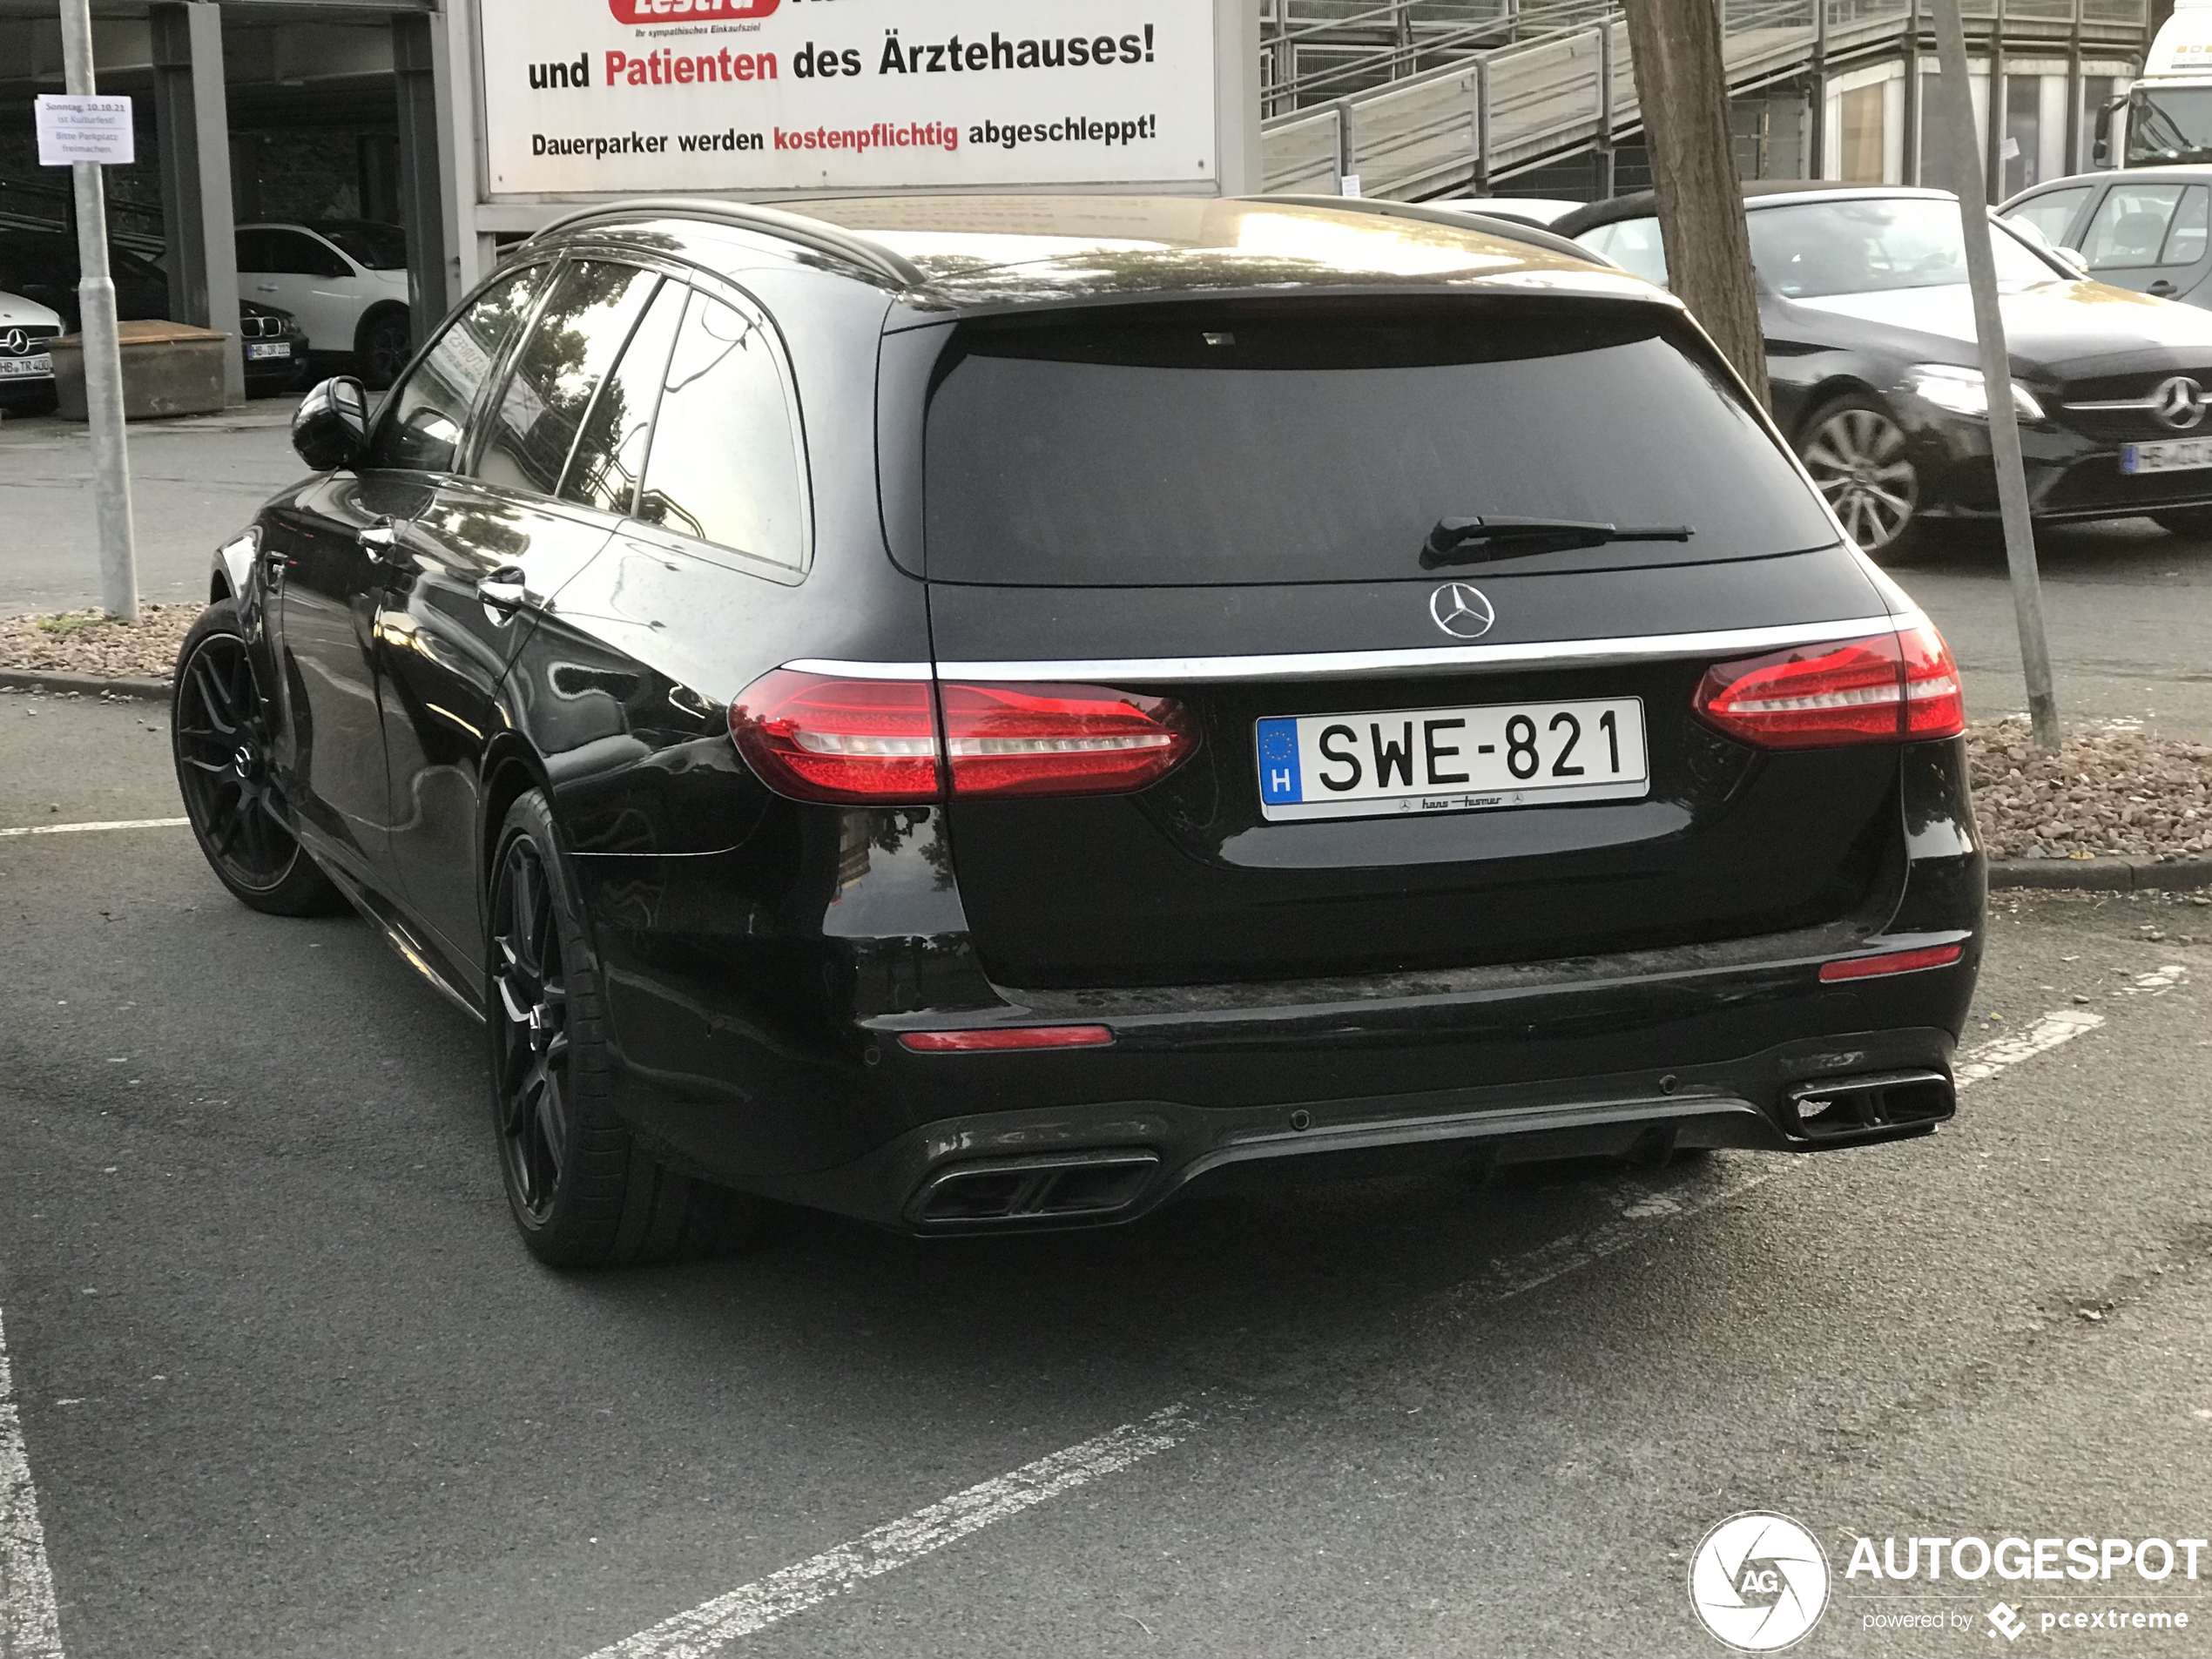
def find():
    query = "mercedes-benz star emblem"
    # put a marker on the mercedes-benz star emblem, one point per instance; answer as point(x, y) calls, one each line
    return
point(15, 342)
point(1462, 611)
point(2179, 402)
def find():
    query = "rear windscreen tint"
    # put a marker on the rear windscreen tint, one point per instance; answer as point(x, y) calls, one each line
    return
point(1285, 442)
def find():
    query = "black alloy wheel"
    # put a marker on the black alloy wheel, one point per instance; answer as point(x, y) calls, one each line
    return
point(531, 1025)
point(1860, 459)
point(221, 733)
point(387, 342)
point(582, 1192)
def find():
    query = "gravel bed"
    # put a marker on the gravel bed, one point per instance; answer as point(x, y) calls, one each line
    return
point(2111, 790)
point(91, 642)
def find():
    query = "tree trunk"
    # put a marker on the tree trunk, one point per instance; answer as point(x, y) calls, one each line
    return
point(1681, 86)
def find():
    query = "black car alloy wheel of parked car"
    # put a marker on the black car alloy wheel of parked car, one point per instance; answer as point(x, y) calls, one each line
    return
point(1872, 365)
point(979, 713)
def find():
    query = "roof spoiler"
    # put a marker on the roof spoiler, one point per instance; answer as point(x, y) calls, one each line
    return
point(1505, 228)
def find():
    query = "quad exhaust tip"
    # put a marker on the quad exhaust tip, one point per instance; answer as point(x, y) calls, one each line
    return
point(1048, 1187)
point(1838, 1108)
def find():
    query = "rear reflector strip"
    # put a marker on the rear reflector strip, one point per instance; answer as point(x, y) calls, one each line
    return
point(1901, 961)
point(1002, 1039)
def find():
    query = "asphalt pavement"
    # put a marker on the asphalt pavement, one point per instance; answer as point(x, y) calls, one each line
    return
point(195, 483)
point(287, 1384)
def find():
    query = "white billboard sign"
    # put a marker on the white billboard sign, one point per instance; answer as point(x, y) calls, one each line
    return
point(591, 97)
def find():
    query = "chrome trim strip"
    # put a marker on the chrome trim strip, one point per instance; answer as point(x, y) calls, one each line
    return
point(1338, 664)
point(2125, 405)
point(863, 671)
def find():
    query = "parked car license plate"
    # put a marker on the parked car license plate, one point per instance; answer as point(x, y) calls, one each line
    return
point(1451, 761)
point(258, 351)
point(2172, 455)
point(24, 368)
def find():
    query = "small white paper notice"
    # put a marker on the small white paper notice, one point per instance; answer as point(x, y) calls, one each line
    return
point(2010, 151)
point(85, 129)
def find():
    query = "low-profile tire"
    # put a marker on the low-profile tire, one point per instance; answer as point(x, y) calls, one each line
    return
point(221, 736)
point(1861, 460)
point(383, 346)
point(583, 1191)
point(2185, 521)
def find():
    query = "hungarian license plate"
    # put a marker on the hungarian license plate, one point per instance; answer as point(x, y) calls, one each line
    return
point(26, 367)
point(260, 351)
point(2171, 454)
point(1451, 761)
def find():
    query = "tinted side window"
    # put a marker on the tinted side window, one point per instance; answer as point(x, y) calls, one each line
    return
point(423, 419)
point(579, 332)
point(255, 252)
point(610, 455)
point(2130, 226)
point(725, 462)
point(2053, 213)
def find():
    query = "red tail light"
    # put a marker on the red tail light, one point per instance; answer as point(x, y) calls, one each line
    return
point(1898, 961)
point(1888, 688)
point(814, 738)
point(1007, 1039)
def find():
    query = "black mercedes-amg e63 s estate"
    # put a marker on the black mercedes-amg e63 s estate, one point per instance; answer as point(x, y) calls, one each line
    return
point(976, 712)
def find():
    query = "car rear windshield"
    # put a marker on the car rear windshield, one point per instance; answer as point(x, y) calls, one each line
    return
point(1273, 441)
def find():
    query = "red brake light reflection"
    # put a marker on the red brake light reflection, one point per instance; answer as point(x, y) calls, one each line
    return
point(1887, 688)
point(1006, 1039)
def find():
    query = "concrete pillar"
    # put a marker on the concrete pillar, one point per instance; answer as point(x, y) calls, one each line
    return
point(191, 105)
point(422, 174)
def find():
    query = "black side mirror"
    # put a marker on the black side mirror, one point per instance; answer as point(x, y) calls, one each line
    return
point(331, 429)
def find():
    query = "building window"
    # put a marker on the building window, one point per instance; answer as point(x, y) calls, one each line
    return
point(2023, 131)
point(1863, 110)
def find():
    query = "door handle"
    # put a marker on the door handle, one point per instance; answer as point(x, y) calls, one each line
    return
point(503, 592)
point(264, 287)
point(2162, 286)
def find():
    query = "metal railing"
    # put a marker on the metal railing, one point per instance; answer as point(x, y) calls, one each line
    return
point(1470, 101)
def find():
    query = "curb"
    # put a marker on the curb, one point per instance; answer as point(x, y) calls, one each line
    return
point(143, 690)
point(2103, 875)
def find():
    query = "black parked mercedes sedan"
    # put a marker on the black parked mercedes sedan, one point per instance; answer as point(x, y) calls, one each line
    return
point(974, 713)
point(1876, 379)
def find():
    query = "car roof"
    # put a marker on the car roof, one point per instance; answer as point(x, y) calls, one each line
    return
point(1765, 192)
point(999, 252)
point(2182, 173)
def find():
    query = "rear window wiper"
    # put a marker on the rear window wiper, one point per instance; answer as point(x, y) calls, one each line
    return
point(1471, 540)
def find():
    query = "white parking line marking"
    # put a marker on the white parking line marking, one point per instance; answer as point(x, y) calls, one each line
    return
point(780, 1595)
point(29, 1628)
point(712, 1625)
point(87, 829)
point(1641, 1205)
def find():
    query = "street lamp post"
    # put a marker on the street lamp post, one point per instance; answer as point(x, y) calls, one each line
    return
point(103, 349)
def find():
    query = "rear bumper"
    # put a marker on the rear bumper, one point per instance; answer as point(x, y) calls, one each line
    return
point(1125, 1159)
point(776, 1065)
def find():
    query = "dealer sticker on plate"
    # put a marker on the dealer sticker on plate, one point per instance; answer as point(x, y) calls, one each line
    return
point(1453, 759)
